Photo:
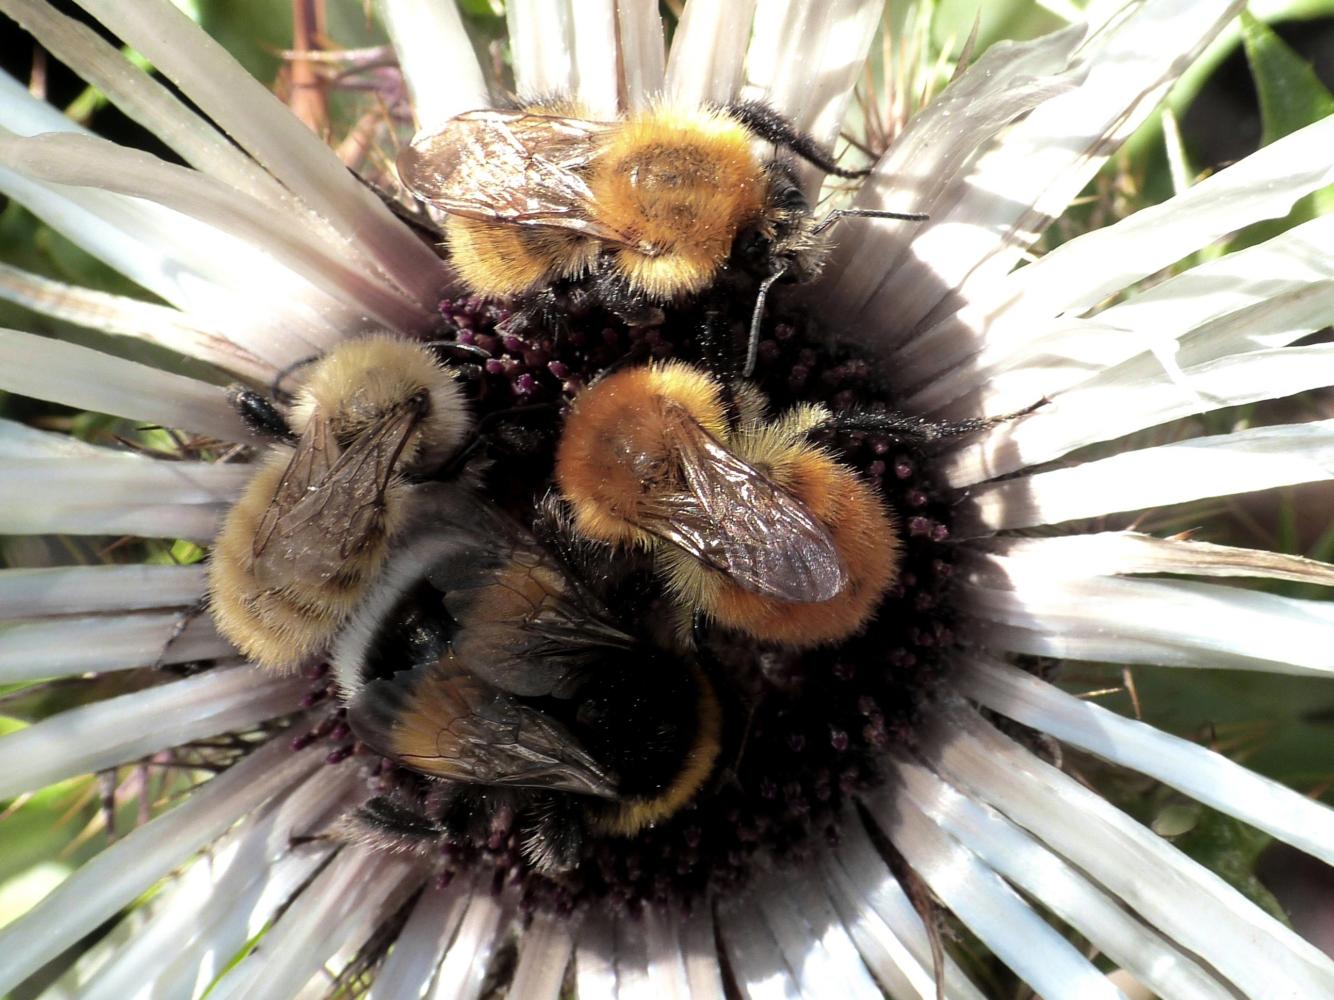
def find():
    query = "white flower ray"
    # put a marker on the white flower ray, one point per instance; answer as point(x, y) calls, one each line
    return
point(1044, 877)
point(60, 372)
point(699, 951)
point(264, 127)
point(462, 974)
point(421, 945)
point(122, 316)
point(814, 939)
point(759, 968)
point(437, 59)
point(126, 728)
point(993, 911)
point(66, 646)
point(699, 70)
point(72, 590)
point(1219, 465)
point(545, 950)
point(1179, 897)
point(1198, 772)
point(340, 906)
point(1120, 402)
point(87, 161)
point(115, 877)
point(1204, 624)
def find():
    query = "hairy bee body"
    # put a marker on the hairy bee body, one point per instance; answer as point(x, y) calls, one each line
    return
point(751, 523)
point(298, 549)
point(656, 206)
point(480, 662)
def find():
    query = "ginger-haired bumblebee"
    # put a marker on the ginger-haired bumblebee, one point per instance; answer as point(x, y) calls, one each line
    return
point(654, 207)
point(299, 548)
point(752, 524)
point(480, 660)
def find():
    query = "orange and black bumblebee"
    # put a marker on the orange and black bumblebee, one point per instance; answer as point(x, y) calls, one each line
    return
point(649, 210)
point(480, 659)
point(753, 526)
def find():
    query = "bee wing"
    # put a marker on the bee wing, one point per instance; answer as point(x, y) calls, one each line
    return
point(441, 720)
point(735, 519)
point(324, 513)
point(523, 625)
point(511, 167)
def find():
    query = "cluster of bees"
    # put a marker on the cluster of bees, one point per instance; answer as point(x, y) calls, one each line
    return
point(473, 644)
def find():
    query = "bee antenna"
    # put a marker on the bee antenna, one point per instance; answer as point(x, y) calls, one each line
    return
point(773, 127)
point(867, 213)
point(276, 389)
point(756, 318)
point(471, 350)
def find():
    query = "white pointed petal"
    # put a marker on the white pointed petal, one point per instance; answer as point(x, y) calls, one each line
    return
point(1046, 878)
point(595, 958)
point(43, 368)
point(1048, 158)
point(130, 866)
point(1198, 772)
point(1180, 898)
point(339, 907)
point(20, 441)
point(66, 590)
point(1084, 271)
point(1203, 624)
point(126, 317)
point(1009, 194)
point(876, 262)
point(437, 59)
point(758, 969)
point(421, 945)
point(643, 50)
point(805, 58)
point(699, 949)
point(1258, 459)
point(867, 884)
point(60, 648)
point(264, 127)
point(117, 494)
point(1115, 553)
point(1122, 402)
point(86, 161)
point(463, 972)
point(541, 34)
point(665, 960)
point(814, 940)
point(144, 100)
point(118, 730)
point(700, 70)
point(596, 57)
point(544, 955)
point(1013, 932)
point(1263, 296)
point(889, 960)
point(632, 971)
point(203, 919)
point(195, 267)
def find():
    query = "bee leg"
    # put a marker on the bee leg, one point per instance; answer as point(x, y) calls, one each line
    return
point(456, 462)
point(553, 840)
point(615, 295)
point(918, 430)
point(259, 413)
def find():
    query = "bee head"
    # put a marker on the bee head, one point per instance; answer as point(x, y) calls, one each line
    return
point(378, 384)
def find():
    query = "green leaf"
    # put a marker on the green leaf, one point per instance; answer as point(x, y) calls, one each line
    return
point(1291, 95)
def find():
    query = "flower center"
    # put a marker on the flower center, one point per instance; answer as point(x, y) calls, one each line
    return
point(800, 728)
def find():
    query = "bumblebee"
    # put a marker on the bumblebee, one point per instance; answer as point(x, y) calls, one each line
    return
point(655, 207)
point(752, 525)
point(480, 661)
point(298, 550)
